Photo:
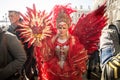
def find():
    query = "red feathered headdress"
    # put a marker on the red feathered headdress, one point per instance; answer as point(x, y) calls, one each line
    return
point(62, 13)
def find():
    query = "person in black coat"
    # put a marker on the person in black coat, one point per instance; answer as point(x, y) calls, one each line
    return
point(29, 68)
point(12, 56)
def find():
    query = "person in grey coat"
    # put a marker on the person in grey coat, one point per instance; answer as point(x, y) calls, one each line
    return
point(109, 50)
point(12, 56)
point(29, 69)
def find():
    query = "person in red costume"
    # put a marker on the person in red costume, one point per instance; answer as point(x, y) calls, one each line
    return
point(60, 47)
point(69, 56)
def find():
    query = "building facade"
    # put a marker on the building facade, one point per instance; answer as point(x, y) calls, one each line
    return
point(112, 11)
point(79, 12)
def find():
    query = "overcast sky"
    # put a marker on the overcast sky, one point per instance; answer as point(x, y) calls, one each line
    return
point(20, 5)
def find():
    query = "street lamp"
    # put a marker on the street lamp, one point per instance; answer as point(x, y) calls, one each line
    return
point(6, 17)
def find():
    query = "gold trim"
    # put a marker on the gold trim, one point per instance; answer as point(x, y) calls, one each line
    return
point(115, 69)
point(37, 35)
point(118, 57)
point(116, 62)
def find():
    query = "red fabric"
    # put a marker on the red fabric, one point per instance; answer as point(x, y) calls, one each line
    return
point(52, 71)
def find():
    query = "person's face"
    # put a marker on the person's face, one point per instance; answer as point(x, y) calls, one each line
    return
point(13, 17)
point(62, 29)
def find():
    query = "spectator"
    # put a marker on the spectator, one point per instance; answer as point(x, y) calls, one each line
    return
point(29, 66)
point(12, 56)
point(109, 50)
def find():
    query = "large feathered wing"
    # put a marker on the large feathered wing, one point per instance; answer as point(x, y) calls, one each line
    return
point(35, 29)
point(88, 28)
point(35, 26)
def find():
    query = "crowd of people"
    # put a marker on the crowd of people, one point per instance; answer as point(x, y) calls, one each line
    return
point(52, 51)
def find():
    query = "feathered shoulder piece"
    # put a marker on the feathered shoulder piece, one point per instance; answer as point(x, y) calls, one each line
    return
point(88, 28)
point(36, 26)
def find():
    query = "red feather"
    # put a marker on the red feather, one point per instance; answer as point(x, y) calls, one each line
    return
point(88, 28)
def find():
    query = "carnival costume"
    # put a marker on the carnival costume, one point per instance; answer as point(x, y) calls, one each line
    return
point(39, 29)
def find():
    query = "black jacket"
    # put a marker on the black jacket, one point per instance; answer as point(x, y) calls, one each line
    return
point(12, 54)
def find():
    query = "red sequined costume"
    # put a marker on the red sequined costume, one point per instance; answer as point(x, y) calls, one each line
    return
point(53, 63)
point(65, 66)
